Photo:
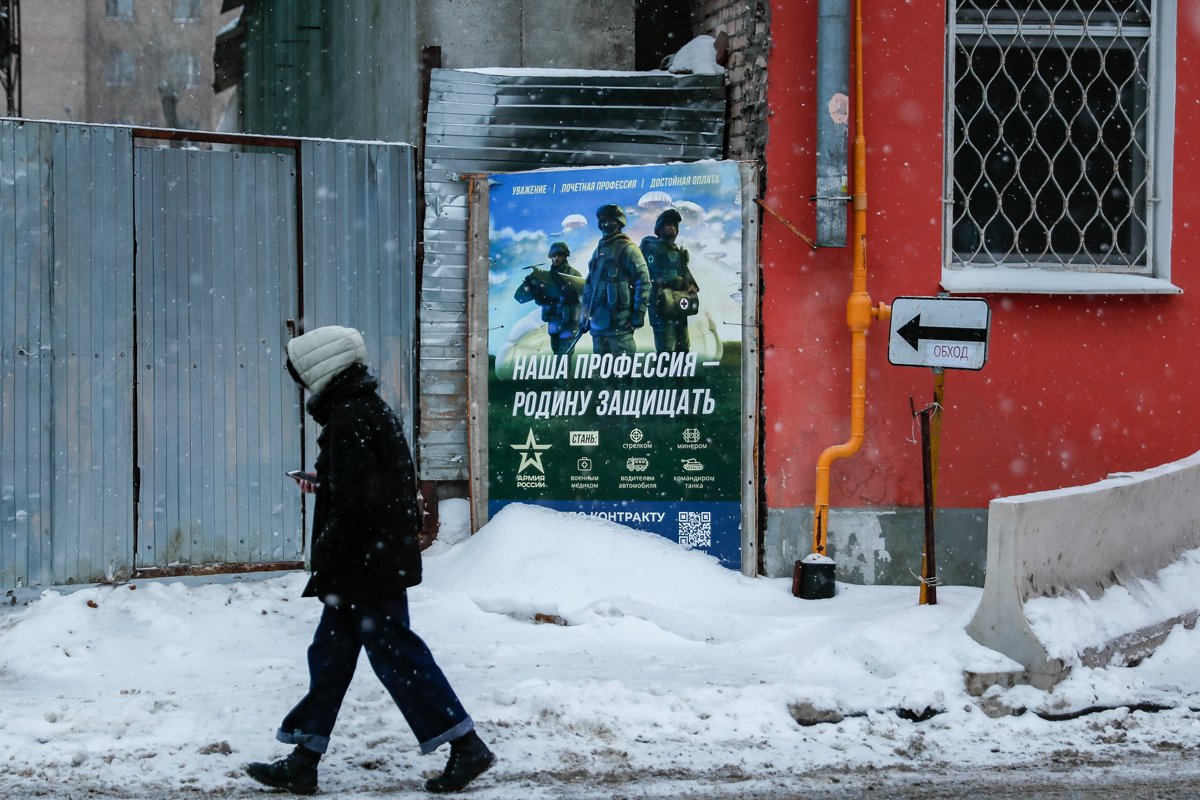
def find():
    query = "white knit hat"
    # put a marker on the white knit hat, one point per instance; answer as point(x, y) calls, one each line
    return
point(322, 353)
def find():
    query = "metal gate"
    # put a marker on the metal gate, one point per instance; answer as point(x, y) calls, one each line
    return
point(218, 418)
point(147, 418)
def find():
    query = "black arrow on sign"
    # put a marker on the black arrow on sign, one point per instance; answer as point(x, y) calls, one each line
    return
point(913, 331)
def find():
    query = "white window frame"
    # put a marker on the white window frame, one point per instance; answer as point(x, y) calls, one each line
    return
point(989, 278)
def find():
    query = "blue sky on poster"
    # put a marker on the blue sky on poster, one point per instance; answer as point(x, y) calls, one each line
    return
point(530, 210)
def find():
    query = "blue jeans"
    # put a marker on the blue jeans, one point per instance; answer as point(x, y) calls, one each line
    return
point(402, 663)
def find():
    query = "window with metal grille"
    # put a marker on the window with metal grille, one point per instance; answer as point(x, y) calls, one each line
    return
point(1050, 142)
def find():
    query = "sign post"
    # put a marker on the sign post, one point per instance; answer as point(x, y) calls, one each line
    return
point(941, 333)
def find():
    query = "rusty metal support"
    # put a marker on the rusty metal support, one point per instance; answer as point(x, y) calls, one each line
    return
point(210, 137)
point(215, 569)
point(929, 579)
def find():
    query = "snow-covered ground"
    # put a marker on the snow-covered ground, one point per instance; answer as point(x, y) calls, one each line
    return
point(597, 662)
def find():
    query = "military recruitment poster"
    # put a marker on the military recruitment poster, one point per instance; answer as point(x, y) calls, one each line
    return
point(615, 347)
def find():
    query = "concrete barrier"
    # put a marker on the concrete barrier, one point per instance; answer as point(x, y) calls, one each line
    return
point(1089, 575)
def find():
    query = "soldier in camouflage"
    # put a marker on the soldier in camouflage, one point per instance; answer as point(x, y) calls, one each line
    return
point(558, 297)
point(617, 290)
point(669, 269)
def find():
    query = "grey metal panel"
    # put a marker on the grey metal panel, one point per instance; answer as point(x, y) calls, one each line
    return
point(592, 125)
point(578, 87)
point(218, 417)
point(344, 69)
point(66, 465)
point(374, 88)
point(92, 312)
point(439, 288)
point(360, 255)
point(26, 263)
point(283, 66)
point(519, 120)
point(567, 154)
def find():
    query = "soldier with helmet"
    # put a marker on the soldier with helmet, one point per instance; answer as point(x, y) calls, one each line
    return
point(617, 290)
point(557, 292)
point(672, 281)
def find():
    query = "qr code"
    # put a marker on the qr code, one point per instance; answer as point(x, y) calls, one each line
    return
point(695, 528)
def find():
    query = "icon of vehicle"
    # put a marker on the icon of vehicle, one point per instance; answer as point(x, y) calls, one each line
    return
point(637, 464)
point(692, 465)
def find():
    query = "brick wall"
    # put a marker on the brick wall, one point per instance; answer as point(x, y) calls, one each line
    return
point(748, 26)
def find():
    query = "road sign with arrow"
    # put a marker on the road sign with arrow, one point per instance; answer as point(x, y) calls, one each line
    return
point(949, 332)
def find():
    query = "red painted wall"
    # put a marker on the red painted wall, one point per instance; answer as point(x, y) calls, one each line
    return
point(1074, 387)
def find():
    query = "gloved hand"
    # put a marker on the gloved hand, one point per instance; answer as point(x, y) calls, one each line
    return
point(639, 318)
point(585, 325)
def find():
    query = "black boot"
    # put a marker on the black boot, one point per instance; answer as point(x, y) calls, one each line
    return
point(469, 758)
point(296, 772)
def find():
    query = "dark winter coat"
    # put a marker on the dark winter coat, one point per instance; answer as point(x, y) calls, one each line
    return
point(366, 521)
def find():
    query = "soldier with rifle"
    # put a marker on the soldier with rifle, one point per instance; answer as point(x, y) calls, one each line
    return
point(557, 292)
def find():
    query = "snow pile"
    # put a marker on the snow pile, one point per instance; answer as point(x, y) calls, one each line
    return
point(1070, 625)
point(697, 57)
point(591, 656)
point(533, 560)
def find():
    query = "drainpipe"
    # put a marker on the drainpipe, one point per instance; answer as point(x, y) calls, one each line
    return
point(816, 574)
point(833, 121)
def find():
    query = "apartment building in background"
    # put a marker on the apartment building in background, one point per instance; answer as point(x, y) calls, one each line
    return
point(133, 62)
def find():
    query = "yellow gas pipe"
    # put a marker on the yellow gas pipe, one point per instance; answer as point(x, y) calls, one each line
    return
point(859, 311)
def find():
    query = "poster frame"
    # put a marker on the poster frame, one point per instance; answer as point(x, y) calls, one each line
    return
point(478, 250)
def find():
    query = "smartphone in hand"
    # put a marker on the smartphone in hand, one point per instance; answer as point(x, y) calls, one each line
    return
point(300, 475)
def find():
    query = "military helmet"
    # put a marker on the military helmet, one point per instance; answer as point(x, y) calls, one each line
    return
point(559, 247)
point(611, 211)
point(670, 216)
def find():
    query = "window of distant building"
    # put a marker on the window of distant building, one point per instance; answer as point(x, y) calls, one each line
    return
point(1058, 170)
point(185, 10)
point(120, 69)
point(184, 69)
point(118, 9)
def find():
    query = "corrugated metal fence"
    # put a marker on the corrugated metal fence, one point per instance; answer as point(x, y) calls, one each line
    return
point(511, 120)
point(66, 307)
point(344, 69)
point(217, 417)
point(147, 418)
